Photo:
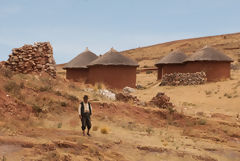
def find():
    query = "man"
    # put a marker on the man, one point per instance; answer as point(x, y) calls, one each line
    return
point(85, 112)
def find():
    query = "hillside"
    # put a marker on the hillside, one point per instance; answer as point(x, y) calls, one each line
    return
point(39, 121)
point(147, 56)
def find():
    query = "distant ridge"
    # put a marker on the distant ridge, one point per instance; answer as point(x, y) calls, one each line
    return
point(229, 44)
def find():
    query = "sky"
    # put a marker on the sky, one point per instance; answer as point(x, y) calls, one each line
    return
point(72, 25)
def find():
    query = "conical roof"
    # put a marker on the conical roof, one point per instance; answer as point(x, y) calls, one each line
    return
point(82, 60)
point(113, 57)
point(209, 54)
point(176, 57)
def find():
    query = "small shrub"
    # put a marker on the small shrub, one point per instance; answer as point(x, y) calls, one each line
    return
point(45, 88)
point(95, 128)
point(59, 125)
point(188, 104)
point(98, 86)
point(104, 130)
point(202, 122)
point(12, 87)
point(228, 95)
point(145, 66)
point(149, 130)
point(4, 158)
point(72, 98)
point(22, 85)
point(208, 92)
point(72, 86)
point(6, 72)
point(36, 108)
point(148, 72)
point(63, 104)
point(171, 110)
point(58, 93)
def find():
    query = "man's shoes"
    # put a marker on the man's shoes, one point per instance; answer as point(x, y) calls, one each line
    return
point(88, 134)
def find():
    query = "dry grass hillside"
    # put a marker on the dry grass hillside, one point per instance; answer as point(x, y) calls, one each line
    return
point(147, 56)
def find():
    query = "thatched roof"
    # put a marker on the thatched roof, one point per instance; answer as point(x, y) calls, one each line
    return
point(209, 54)
point(113, 57)
point(176, 57)
point(82, 60)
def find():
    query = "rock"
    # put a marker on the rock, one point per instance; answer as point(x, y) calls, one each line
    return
point(161, 100)
point(140, 87)
point(128, 90)
point(106, 93)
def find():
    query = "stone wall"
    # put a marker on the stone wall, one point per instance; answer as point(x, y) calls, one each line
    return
point(176, 79)
point(33, 59)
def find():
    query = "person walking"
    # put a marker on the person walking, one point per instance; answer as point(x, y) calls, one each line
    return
point(85, 112)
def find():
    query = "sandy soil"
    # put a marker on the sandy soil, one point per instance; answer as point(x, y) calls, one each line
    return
point(217, 97)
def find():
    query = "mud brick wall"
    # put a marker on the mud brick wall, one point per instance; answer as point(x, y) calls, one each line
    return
point(33, 59)
point(176, 79)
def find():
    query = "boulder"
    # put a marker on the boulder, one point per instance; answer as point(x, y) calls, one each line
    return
point(128, 90)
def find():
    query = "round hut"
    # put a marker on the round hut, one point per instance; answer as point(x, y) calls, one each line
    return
point(214, 63)
point(76, 69)
point(114, 70)
point(171, 63)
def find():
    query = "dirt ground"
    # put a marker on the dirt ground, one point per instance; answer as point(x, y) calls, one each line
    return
point(44, 125)
point(216, 97)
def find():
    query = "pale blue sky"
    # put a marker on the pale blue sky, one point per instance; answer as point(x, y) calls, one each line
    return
point(72, 25)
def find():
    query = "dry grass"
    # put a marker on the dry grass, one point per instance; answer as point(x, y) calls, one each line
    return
point(95, 128)
point(98, 86)
point(147, 56)
point(104, 130)
point(6, 72)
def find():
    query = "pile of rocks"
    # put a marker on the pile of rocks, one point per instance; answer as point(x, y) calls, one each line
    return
point(176, 79)
point(126, 98)
point(161, 100)
point(33, 59)
point(108, 94)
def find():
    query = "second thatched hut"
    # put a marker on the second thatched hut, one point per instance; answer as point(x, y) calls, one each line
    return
point(214, 63)
point(114, 70)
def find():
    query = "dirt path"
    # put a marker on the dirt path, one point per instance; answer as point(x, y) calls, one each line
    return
point(143, 135)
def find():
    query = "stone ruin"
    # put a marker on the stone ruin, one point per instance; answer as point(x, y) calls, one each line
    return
point(176, 79)
point(35, 58)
